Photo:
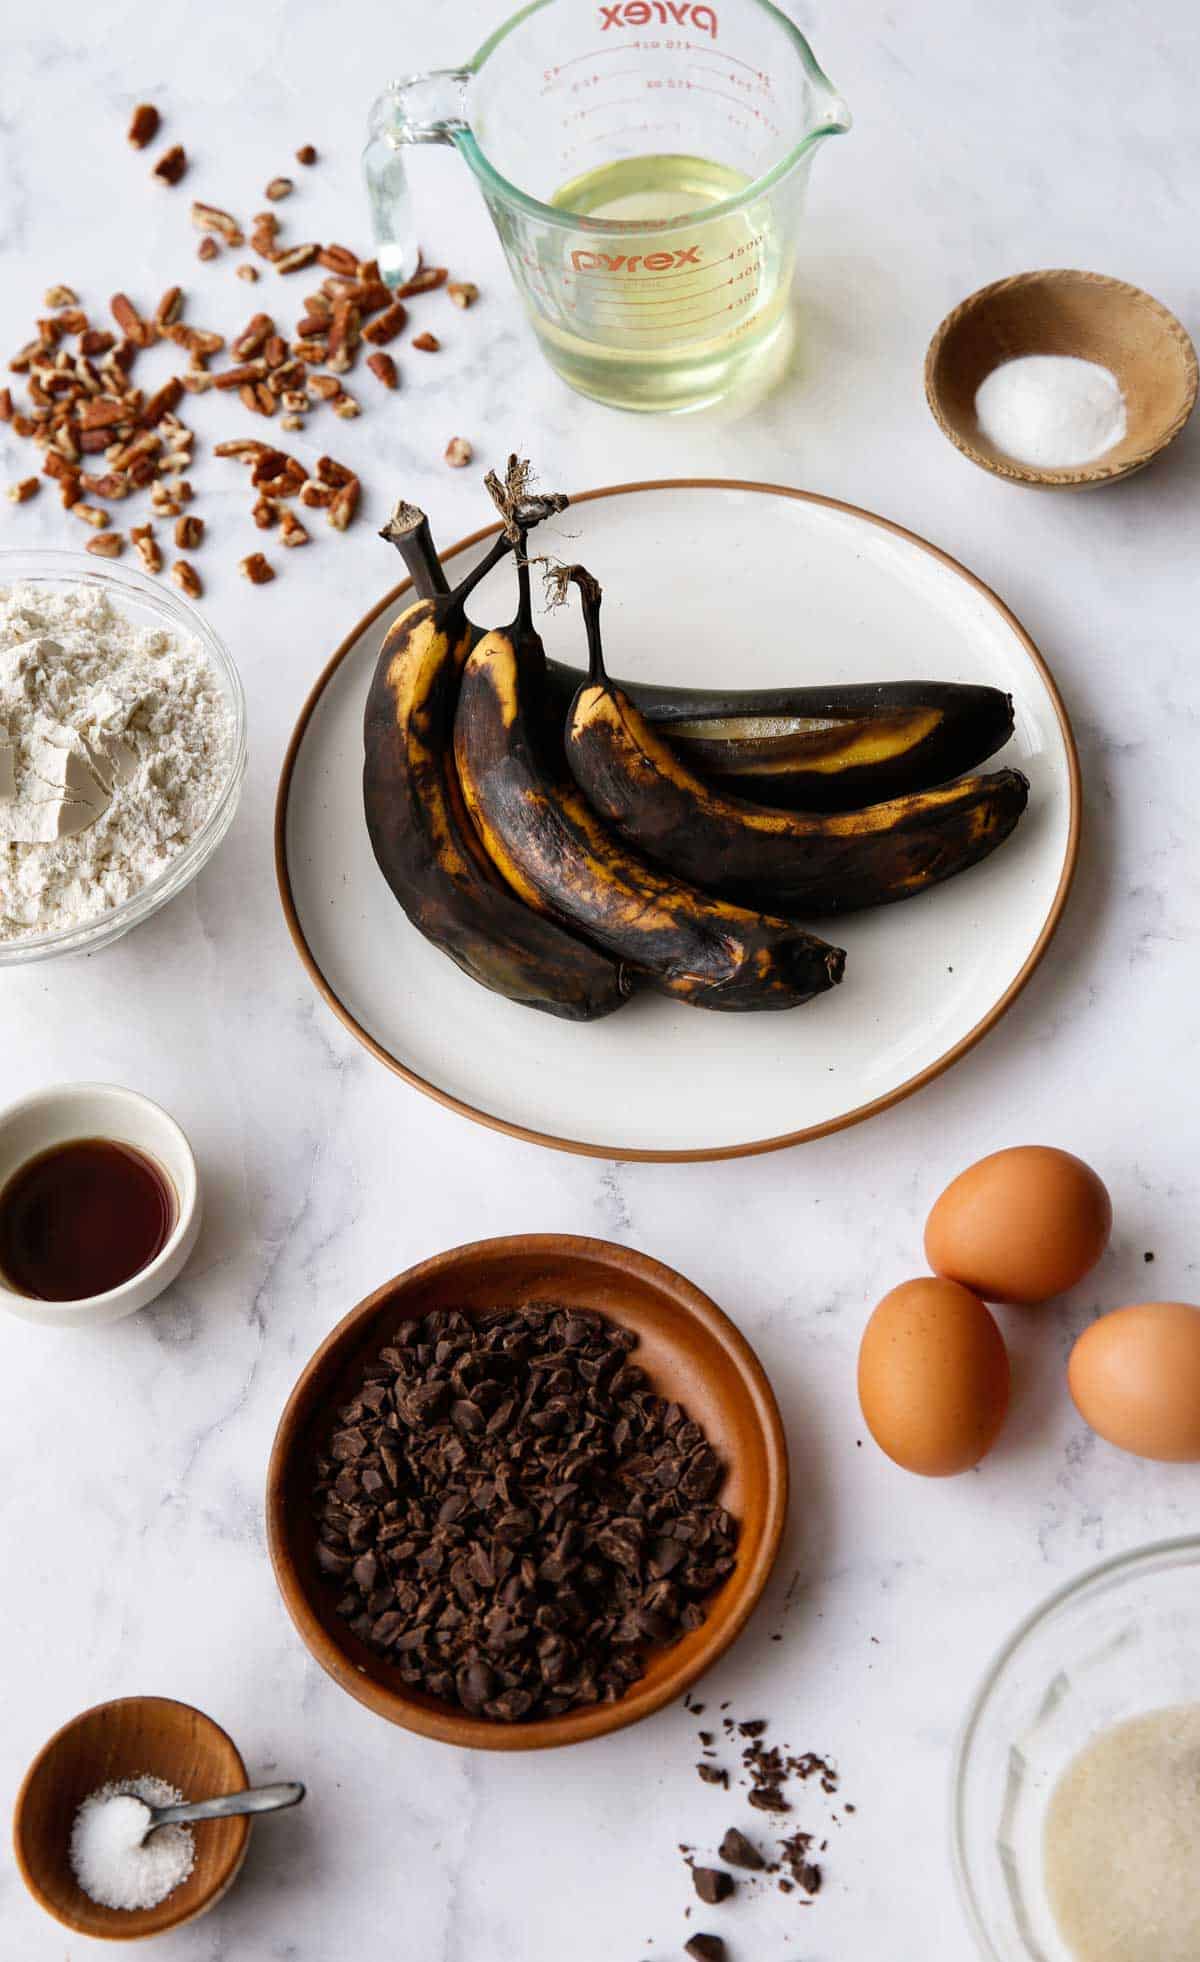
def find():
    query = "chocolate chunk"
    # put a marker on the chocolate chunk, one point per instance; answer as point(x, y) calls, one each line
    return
point(713, 1774)
point(738, 1851)
point(767, 1798)
point(712, 1885)
point(706, 1948)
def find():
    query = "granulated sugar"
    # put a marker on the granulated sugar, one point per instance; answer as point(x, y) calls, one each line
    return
point(108, 1857)
point(114, 747)
point(1051, 410)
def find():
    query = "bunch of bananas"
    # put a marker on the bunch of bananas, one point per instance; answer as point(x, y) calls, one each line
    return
point(567, 839)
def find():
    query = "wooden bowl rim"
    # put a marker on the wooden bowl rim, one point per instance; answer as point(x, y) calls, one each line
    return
point(1087, 474)
point(446, 1725)
point(163, 1921)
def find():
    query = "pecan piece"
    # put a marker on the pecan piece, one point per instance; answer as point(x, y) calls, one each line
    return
point(291, 531)
point(96, 340)
point(330, 471)
point(163, 401)
point(143, 125)
point(463, 292)
point(189, 532)
point(383, 368)
point(344, 505)
point(458, 452)
point(325, 387)
point(110, 484)
point(423, 281)
point(169, 307)
point(211, 218)
point(247, 272)
point(106, 545)
point(60, 296)
point(279, 187)
point(256, 569)
point(147, 551)
point(90, 513)
point(21, 492)
point(264, 512)
point(297, 257)
point(428, 343)
point(245, 371)
point(386, 325)
point(187, 578)
point(208, 248)
point(247, 449)
point(346, 407)
point(140, 332)
point(316, 496)
point(253, 337)
point(306, 154)
point(6, 405)
point(339, 259)
point(103, 412)
point(171, 165)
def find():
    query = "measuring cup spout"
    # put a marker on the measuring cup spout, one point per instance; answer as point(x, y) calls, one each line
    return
point(419, 109)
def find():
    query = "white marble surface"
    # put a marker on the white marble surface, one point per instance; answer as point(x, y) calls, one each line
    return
point(132, 1459)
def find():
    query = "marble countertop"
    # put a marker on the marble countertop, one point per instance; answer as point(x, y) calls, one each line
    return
point(132, 1458)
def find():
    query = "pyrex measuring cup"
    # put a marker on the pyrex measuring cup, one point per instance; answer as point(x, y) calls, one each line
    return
point(645, 164)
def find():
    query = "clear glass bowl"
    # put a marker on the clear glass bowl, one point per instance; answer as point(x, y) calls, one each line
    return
point(1122, 1640)
point(144, 600)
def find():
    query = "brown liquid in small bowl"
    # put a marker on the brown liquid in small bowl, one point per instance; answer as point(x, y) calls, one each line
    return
point(82, 1218)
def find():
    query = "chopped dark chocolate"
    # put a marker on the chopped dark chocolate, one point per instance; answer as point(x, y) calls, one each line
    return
point(712, 1885)
point(513, 1516)
point(713, 1774)
point(705, 1948)
point(738, 1851)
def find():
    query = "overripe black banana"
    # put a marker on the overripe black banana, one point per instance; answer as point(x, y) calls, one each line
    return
point(421, 835)
point(796, 862)
point(562, 862)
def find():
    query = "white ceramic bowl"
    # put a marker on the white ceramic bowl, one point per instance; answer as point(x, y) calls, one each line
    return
point(103, 1110)
point(1119, 1641)
point(145, 601)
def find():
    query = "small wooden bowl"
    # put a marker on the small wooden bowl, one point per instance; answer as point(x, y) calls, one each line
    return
point(135, 1736)
point(1080, 313)
point(691, 1353)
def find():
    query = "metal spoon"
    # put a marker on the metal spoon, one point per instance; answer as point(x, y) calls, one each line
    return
point(260, 1798)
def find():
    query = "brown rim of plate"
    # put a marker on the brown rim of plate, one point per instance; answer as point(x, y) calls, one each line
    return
point(704, 1153)
point(1087, 475)
point(444, 1723)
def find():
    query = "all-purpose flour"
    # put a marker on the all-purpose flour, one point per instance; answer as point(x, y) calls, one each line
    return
point(114, 746)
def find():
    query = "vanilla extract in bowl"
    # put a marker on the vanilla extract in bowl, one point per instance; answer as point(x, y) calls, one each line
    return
point(82, 1218)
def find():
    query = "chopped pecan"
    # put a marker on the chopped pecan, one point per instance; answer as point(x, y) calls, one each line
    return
point(268, 466)
point(247, 449)
point(169, 307)
point(291, 531)
point(344, 330)
point(163, 501)
point(346, 407)
point(24, 358)
point(103, 412)
point(59, 296)
point(290, 479)
point(171, 165)
point(111, 484)
point(386, 325)
point(197, 381)
point(315, 495)
point(275, 353)
point(339, 259)
point(96, 340)
point(423, 281)
point(256, 569)
point(20, 493)
point(295, 259)
point(463, 292)
point(294, 400)
point(311, 326)
point(211, 218)
point(70, 490)
point(249, 399)
point(199, 342)
point(163, 401)
point(143, 125)
point(319, 304)
point(56, 465)
point(6, 405)
point(187, 578)
point(311, 353)
point(208, 247)
point(428, 343)
point(189, 532)
point(291, 421)
point(245, 371)
point(264, 512)
point(344, 505)
point(265, 399)
point(106, 545)
point(253, 337)
point(330, 471)
point(90, 513)
point(146, 548)
point(279, 187)
point(248, 272)
point(306, 154)
point(458, 452)
point(129, 320)
point(73, 320)
point(325, 387)
point(383, 368)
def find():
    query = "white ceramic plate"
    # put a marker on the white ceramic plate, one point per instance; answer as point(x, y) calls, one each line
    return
point(799, 589)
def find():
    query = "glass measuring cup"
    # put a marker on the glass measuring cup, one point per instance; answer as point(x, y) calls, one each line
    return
point(645, 164)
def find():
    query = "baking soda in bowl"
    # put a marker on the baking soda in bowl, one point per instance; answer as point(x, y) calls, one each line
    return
point(1053, 411)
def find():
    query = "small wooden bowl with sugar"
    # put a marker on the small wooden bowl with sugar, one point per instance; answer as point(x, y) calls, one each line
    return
point(134, 1737)
point(1082, 315)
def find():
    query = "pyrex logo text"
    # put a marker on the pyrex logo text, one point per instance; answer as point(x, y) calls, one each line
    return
point(640, 13)
point(683, 255)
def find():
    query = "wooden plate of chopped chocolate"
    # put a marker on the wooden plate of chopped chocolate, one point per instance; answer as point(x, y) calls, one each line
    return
point(527, 1492)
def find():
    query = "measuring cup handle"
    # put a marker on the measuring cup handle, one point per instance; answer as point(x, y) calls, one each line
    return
point(420, 109)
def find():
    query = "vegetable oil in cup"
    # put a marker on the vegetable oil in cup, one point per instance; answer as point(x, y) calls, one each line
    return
point(660, 318)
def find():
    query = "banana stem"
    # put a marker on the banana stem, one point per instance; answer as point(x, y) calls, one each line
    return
point(590, 594)
point(500, 548)
point(408, 530)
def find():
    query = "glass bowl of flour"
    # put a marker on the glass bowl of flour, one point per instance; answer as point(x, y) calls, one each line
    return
point(122, 750)
point(1076, 1799)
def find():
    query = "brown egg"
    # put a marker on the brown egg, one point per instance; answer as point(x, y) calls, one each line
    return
point(1135, 1378)
point(1021, 1225)
point(933, 1377)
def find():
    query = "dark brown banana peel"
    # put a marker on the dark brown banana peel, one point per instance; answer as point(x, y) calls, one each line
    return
point(423, 839)
point(834, 748)
point(805, 863)
point(561, 861)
